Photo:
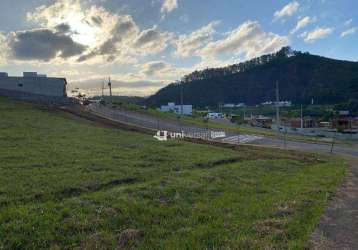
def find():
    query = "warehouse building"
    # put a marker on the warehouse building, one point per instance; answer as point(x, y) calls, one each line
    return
point(178, 109)
point(32, 84)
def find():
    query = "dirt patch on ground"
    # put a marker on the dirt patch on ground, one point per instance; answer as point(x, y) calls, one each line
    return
point(97, 241)
point(128, 238)
point(338, 228)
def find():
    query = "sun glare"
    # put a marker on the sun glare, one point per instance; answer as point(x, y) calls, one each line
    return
point(83, 32)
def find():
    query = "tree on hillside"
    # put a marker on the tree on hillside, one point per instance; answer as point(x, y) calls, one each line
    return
point(301, 76)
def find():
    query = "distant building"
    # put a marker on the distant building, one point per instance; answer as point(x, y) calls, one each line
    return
point(259, 121)
point(172, 107)
point(343, 113)
point(306, 122)
point(231, 105)
point(214, 115)
point(284, 103)
point(325, 125)
point(32, 84)
point(345, 121)
point(280, 104)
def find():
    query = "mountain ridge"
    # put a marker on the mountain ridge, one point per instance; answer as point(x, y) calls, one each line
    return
point(301, 77)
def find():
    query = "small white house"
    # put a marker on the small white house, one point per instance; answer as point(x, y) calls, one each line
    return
point(231, 105)
point(178, 109)
point(213, 115)
point(284, 103)
point(279, 104)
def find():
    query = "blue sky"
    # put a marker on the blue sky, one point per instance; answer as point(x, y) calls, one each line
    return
point(145, 44)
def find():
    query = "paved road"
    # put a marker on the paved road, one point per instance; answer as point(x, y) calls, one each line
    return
point(314, 147)
point(155, 123)
point(243, 139)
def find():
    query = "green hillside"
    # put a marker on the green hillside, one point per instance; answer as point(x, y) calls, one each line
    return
point(301, 77)
point(67, 183)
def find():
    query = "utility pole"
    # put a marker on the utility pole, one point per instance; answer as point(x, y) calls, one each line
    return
point(102, 89)
point(333, 141)
point(181, 98)
point(301, 117)
point(285, 136)
point(277, 107)
point(110, 88)
point(334, 135)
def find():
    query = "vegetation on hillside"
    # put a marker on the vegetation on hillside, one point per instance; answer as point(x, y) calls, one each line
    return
point(66, 183)
point(301, 77)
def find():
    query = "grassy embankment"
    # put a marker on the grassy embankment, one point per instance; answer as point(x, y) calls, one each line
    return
point(67, 183)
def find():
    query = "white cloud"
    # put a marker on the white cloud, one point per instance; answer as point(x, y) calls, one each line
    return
point(152, 41)
point(90, 25)
point(143, 80)
point(162, 70)
point(120, 86)
point(168, 6)
point(348, 32)
point(42, 45)
point(214, 63)
point(106, 37)
point(303, 22)
point(3, 49)
point(348, 22)
point(154, 68)
point(187, 45)
point(316, 34)
point(288, 10)
point(247, 41)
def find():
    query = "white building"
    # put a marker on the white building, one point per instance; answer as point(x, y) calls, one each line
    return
point(284, 103)
point(280, 104)
point(231, 105)
point(33, 84)
point(213, 115)
point(171, 107)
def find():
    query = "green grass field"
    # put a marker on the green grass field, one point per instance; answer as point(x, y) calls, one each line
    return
point(66, 183)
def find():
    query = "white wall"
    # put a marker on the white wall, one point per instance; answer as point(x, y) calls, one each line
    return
point(35, 85)
point(187, 109)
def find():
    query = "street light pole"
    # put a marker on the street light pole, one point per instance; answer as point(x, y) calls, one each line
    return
point(277, 108)
point(301, 117)
point(333, 141)
point(181, 98)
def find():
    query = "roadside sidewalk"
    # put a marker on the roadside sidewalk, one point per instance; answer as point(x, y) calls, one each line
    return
point(338, 228)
